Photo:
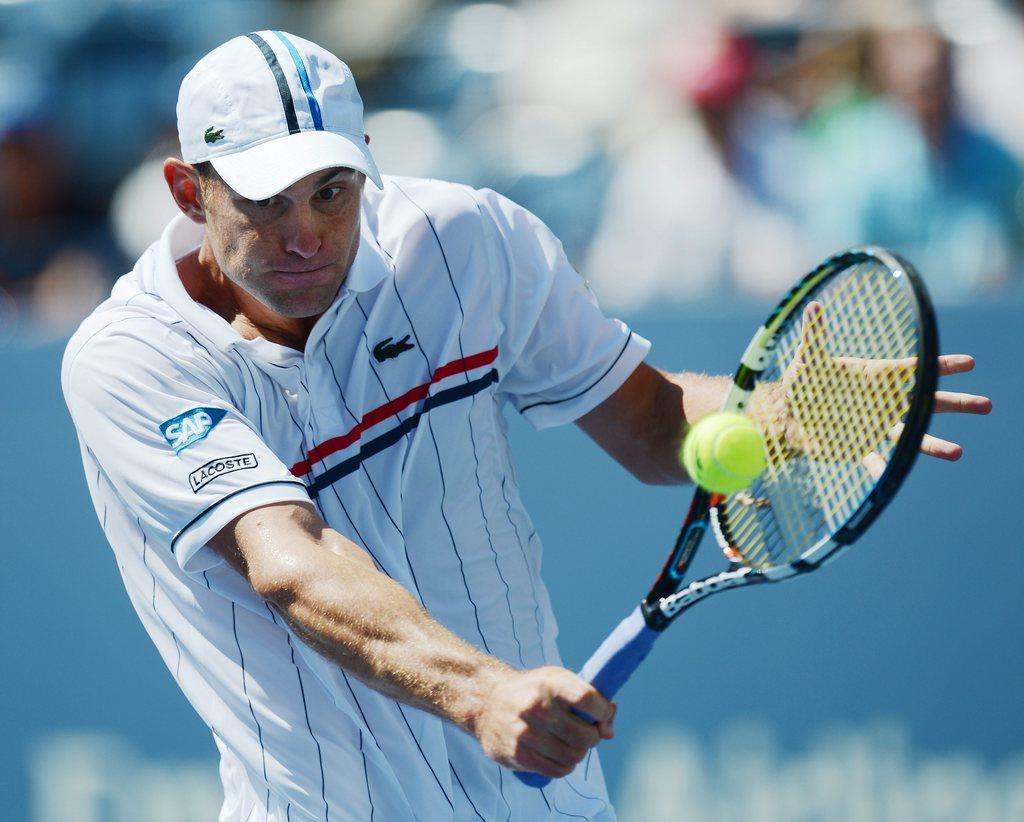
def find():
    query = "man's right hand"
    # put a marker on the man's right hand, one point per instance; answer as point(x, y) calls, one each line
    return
point(331, 594)
point(528, 721)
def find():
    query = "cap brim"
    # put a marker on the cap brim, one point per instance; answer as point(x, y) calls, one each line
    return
point(268, 168)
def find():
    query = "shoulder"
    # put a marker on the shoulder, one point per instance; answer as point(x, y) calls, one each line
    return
point(485, 238)
point(134, 339)
point(433, 198)
point(449, 208)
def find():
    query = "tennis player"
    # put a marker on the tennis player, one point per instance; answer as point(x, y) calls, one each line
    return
point(290, 416)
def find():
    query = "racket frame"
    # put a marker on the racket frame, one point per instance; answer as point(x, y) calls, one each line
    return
point(622, 651)
point(666, 599)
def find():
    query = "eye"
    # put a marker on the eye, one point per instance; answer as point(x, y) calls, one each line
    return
point(263, 203)
point(330, 193)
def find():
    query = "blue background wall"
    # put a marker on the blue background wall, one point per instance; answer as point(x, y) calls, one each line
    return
point(920, 624)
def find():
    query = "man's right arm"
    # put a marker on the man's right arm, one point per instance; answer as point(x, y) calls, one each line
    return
point(334, 598)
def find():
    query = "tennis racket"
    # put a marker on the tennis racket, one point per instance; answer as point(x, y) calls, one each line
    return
point(841, 379)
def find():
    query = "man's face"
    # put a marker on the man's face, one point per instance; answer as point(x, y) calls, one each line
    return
point(293, 251)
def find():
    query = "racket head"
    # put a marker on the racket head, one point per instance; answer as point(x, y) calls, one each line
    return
point(842, 379)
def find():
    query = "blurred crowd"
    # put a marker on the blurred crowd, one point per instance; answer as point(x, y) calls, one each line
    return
point(684, 152)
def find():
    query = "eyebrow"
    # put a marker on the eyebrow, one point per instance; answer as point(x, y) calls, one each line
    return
point(332, 173)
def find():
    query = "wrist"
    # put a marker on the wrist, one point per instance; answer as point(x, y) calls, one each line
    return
point(489, 676)
point(769, 409)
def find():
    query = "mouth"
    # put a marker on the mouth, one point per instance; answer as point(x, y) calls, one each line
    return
point(305, 278)
point(301, 271)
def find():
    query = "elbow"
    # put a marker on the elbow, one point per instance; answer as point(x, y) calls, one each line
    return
point(657, 475)
point(283, 577)
point(279, 581)
point(657, 464)
point(645, 473)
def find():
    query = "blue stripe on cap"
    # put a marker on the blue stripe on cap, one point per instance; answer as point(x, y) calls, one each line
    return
point(314, 107)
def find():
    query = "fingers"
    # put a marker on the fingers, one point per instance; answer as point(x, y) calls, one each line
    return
point(875, 366)
point(943, 449)
point(960, 403)
point(932, 446)
point(875, 465)
point(566, 727)
point(812, 332)
point(544, 743)
point(589, 701)
point(955, 364)
point(948, 363)
point(605, 727)
point(579, 718)
point(545, 720)
point(528, 758)
point(955, 402)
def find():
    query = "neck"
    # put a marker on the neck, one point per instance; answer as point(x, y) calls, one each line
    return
point(206, 283)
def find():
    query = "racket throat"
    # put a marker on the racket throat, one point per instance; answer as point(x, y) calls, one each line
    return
point(655, 618)
point(671, 606)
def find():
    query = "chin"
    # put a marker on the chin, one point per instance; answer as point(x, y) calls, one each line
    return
point(300, 306)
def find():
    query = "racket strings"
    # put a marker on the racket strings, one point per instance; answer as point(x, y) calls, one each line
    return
point(846, 406)
point(845, 369)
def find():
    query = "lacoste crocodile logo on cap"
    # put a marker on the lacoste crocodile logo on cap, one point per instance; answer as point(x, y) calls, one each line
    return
point(212, 136)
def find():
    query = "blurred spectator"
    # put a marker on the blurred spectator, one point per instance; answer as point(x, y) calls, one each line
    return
point(38, 212)
point(141, 206)
point(30, 168)
point(705, 200)
point(69, 286)
point(747, 156)
point(904, 169)
point(84, 89)
point(48, 264)
point(989, 61)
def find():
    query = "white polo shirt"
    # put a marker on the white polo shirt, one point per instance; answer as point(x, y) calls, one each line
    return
point(458, 301)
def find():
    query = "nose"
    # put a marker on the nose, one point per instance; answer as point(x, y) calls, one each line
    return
point(302, 237)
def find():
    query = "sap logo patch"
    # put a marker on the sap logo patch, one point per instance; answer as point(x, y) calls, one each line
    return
point(218, 467)
point(188, 428)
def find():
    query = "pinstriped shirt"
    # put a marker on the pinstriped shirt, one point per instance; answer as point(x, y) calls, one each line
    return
point(458, 304)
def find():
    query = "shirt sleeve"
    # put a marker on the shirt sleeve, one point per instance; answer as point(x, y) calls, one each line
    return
point(159, 422)
point(559, 355)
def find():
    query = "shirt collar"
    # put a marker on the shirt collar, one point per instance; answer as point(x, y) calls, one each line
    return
point(370, 266)
point(182, 236)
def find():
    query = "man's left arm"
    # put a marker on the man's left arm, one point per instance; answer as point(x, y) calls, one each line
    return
point(560, 357)
point(642, 424)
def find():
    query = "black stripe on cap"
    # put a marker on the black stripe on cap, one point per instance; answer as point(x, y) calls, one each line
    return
point(282, 83)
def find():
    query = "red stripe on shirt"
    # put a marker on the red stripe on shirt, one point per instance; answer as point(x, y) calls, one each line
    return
point(389, 409)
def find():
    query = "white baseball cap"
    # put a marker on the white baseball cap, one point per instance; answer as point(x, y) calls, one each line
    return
point(269, 108)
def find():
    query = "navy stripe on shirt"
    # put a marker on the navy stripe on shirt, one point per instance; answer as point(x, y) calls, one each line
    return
point(389, 438)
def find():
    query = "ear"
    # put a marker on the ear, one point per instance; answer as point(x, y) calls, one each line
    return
point(183, 181)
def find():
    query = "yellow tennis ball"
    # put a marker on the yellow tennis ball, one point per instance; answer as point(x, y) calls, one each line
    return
point(724, 453)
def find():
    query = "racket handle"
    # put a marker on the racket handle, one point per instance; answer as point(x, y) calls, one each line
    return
point(609, 667)
point(620, 654)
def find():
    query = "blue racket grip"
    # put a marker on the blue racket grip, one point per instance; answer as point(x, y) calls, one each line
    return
point(609, 667)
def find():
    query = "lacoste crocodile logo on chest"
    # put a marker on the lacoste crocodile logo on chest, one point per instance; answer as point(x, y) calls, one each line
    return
point(388, 350)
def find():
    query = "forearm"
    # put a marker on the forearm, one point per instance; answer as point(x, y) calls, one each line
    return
point(373, 628)
point(332, 595)
point(702, 394)
point(699, 395)
point(643, 424)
